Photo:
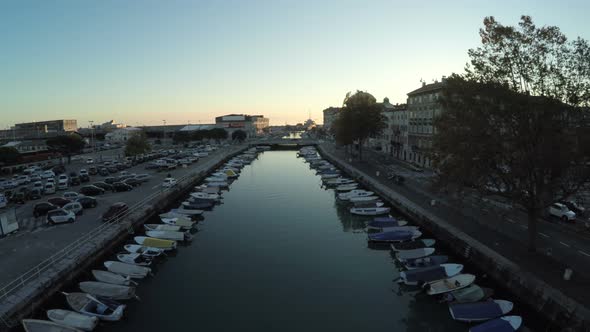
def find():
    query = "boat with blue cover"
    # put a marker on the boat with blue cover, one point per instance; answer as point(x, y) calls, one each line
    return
point(480, 311)
point(425, 262)
point(429, 274)
point(382, 224)
point(416, 244)
point(394, 236)
point(502, 324)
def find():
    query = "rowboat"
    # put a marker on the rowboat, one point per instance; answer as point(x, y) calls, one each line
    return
point(187, 212)
point(168, 235)
point(429, 274)
point(425, 262)
point(111, 278)
point(404, 255)
point(155, 243)
point(39, 325)
point(72, 319)
point(115, 292)
point(127, 270)
point(449, 284)
point(103, 309)
point(416, 244)
point(480, 311)
point(473, 293)
point(145, 251)
point(502, 324)
point(134, 259)
point(394, 236)
point(183, 222)
point(392, 229)
point(372, 211)
point(159, 227)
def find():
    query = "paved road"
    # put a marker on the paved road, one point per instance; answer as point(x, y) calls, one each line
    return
point(504, 230)
point(25, 249)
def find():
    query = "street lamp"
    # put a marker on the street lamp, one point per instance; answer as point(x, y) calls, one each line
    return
point(92, 142)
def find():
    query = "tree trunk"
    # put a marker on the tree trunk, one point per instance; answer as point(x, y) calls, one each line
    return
point(360, 150)
point(69, 158)
point(532, 220)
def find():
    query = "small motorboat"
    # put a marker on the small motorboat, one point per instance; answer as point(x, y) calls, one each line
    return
point(183, 222)
point(115, 292)
point(355, 193)
point(347, 187)
point(191, 205)
point(134, 259)
point(215, 179)
point(363, 199)
point(145, 251)
point(72, 319)
point(168, 235)
point(372, 211)
point(127, 270)
point(39, 325)
point(416, 244)
point(330, 175)
point(159, 227)
point(411, 254)
point(111, 278)
point(222, 184)
point(187, 212)
point(392, 229)
point(385, 219)
point(425, 262)
point(155, 243)
point(473, 293)
point(449, 284)
point(205, 196)
point(171, 215)
point(385, 224)
point(480, 311)
point(338, 181)
point(502, 324)
point(103, 309)
point(395, 236)
point(430, 274)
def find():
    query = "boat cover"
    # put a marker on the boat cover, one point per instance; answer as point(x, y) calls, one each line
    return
point(495, 325)
point(391, 236)
point(427, 261)
point(426, 274)
point(384, 219)
point(476, 311)
point(380, 224)
point(417, 244)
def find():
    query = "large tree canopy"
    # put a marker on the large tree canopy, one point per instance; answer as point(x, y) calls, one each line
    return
point(137, 144)
point(533, 60)
point(9, 155)
point(359, 119)
point(66, 144)
point(239, 135)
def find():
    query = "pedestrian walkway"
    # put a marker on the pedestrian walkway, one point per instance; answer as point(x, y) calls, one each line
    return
point(507, 238)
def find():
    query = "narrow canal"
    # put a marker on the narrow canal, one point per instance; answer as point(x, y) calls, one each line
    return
point(280, 254)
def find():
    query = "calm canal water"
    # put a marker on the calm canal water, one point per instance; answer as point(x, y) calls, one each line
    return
point(280, 254)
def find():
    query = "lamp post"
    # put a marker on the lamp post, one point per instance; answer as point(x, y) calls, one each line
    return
point(92, 141)
point(164, 131)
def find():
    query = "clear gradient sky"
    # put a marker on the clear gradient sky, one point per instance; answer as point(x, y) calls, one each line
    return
point(141, 62)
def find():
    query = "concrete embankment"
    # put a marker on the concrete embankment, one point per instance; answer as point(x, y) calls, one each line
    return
point(562, 310)
point(31, 295)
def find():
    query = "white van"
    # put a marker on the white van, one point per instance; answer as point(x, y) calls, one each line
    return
point(49, 188)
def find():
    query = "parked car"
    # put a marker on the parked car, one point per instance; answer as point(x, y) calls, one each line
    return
point(143, 177)
point(62, 177)
point(71, 195)
point(578, 209)
point(62, 185)
point(59, 216)
point(10, 184)
point(103, 185)
point(91, 190)
point(38, 185)
point(115, 211)
point(41, 209)
point(74, 179)
point(120, 186)
point(47, 174)
point(84, 176)
point(49, 188)
point(3, 201)
point(89, 161)
point(87, 201)
point(22, 179)
point(36, 193)
point(562, 212)
point(169, 182)
point(110, 180)
point(132, 182)
point(92, 170)
point(75, 207)
point(112, 169)
point(103, 171)
point(58, 201)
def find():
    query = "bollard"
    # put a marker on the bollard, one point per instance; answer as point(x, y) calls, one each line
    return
point(567, 274)
point(377, 173)
point(433, 202)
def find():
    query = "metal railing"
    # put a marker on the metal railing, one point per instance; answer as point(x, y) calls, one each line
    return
point(94, 236)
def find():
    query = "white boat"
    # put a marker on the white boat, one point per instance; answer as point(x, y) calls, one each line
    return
point(450, 284)
point(187, 212)
point(404, 255)
point(111, 278)
point(505, 324)
point(209, 190)
point(221, 184)
point(372, 211)
point(167, 235)
point(362, 199)
point(144, 250)
point(347, 187)
point(430, 274)
point(355, 193)
point(339, 181)
point(72, 319)
point(159, 227)
point(115, 292)
point(171, 215)
point(206, 196)
point(155, 243)
point(330, 175)
point(132, 271)
point(215, 179)
point(39, 325)
point(134, 259)
point(183, 222)
point(89, 305)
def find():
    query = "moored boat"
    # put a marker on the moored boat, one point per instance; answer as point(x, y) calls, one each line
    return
point(103, 309)
point(480, 311)
point(134, 259)
point(430, 274)
point(155, 243)
point(39, 325)
point(144, 250)
point(72, 319)
point(394, 236)
point(449, 284)
point(168, 235)
point(502, 324)
point(425, 262)
point(416, 244)
point(372, 211)
point(159, 227)
point(127, 270)
point(111, 277)
point(111, 291)
point(411, 254)
point(473, 293)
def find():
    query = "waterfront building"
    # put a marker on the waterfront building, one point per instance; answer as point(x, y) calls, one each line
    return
point(399, 132)
point(122, 134)
point(253, 125)
point(330, 115)
point(423, 106)
point(43, 128)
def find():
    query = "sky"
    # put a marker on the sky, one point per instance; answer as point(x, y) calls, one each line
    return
point(143, 62)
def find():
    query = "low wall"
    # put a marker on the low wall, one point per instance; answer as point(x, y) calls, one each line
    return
point(28, 300)
point(568, 314)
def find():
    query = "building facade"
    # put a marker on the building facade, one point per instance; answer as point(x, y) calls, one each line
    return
point(253, 125)
point(330, 115)
point(121, 135)
point(44, 128)
point(399, 132)
point(423, 106)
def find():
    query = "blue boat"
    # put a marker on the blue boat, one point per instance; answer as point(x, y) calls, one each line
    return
point(394, 236)
point(385, 219)
point(480, 311)
point(429, 274)
point(425, 262)
point(385, 224)
point(502, 324)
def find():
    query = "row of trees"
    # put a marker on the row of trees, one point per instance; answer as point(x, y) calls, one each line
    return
point(217, 134)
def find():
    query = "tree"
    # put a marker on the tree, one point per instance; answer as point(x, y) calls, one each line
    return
point(137, 144)
point(181, 137)
point(66, 144)
point(532, 60)
point(359, 119)
point(9, 155)
point(239, 135)
point(218, 134)
point(528, 149)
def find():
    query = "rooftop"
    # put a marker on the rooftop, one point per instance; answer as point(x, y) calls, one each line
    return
point(428, 88)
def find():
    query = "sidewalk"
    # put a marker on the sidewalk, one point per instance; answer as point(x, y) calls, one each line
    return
point(507, 237)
